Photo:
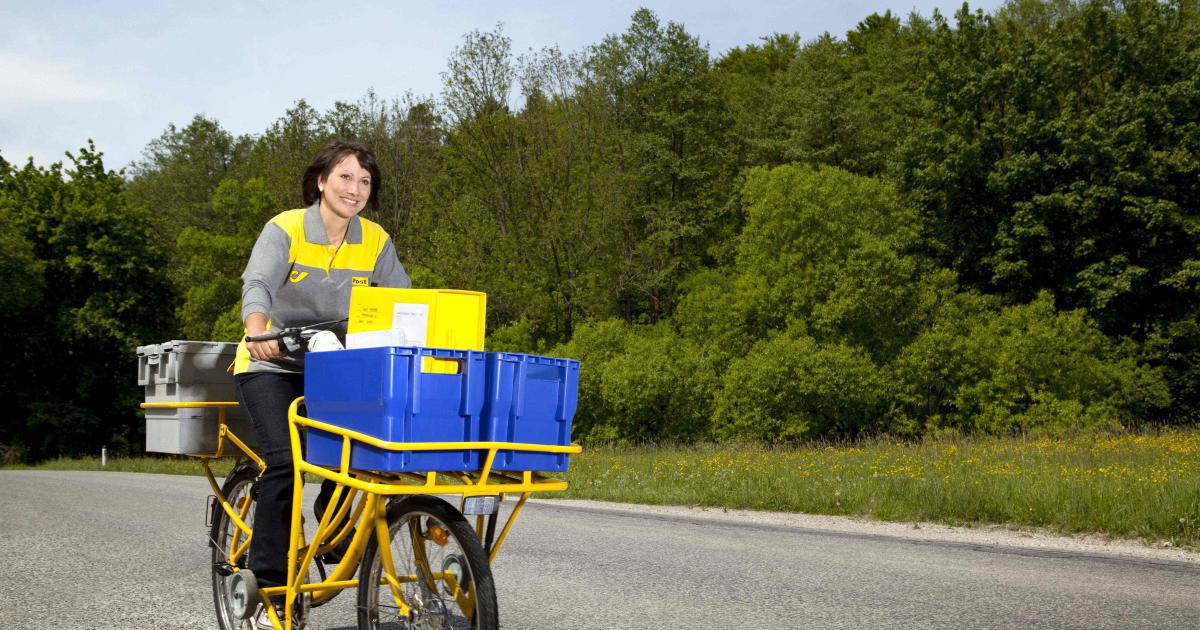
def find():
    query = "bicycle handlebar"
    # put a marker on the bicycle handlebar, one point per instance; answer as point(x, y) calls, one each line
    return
point(294, 337)
point(268, 336)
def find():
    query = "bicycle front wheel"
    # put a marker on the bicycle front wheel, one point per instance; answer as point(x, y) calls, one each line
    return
point(442, 571)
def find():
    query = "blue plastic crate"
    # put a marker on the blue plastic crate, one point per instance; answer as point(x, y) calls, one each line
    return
point(532, 400)
point(384, 393)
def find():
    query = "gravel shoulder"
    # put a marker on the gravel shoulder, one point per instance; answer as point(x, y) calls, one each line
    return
point(997, 536)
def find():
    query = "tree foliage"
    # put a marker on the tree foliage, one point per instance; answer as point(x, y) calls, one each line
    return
point(1061, 155)
point(93, 290)
point(981, 223)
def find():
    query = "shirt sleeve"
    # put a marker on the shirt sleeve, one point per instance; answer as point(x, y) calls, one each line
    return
point(388, 270)
point(266, 270)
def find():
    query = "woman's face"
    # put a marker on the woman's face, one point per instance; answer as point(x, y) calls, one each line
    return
point(347, 188)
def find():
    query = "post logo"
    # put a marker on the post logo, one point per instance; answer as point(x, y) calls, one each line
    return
point(297, 276)
point(359, 281)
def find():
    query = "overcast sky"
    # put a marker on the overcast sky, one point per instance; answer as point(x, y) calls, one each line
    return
point(120, 72)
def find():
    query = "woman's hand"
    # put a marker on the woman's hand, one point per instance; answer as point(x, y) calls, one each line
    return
point(264, 350)
point(256, 324)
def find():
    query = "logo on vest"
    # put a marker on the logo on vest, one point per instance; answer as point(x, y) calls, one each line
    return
point(297, 276)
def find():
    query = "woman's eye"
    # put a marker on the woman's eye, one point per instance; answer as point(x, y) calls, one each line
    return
point(345, 176)
point(366, 182)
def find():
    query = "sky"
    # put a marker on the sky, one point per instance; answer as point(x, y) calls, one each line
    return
point(120, 72)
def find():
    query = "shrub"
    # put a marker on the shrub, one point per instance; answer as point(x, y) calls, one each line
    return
point(1021, 368)
point(520, 335)
point(802, 224)
point(716, 315)
point(640, 383)
point(790, 388)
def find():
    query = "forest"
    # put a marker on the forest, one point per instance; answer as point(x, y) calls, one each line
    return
point(982, 223)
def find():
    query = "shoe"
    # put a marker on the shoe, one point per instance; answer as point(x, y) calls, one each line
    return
point(262, 621)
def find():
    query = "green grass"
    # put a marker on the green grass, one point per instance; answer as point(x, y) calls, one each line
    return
point(1145, 486)
point(165, 465)
point(1139, 486)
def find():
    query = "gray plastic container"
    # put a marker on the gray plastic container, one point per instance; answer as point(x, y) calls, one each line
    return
point(189, 371)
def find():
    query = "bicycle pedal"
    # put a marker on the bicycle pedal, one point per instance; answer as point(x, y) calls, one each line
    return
point(210, 513)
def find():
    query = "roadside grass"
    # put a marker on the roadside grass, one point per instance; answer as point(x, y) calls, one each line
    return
point(1130, 486)
point(1126, 486)
point(163, 465)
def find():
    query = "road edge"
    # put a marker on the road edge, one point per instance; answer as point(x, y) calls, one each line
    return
point(996, 536)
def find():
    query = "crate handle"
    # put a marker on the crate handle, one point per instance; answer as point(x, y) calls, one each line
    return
point(564, 373)
point(520, 393)
point(465, 383)
point(169, 369)
point(414, 368)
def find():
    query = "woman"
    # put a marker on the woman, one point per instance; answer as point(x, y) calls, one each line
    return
point(300, 273)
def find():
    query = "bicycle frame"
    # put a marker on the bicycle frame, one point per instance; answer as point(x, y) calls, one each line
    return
point(367, 495)
point(465, 484)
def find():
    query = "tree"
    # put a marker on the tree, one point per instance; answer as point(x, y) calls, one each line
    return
point(849, 102)
point(179, 171)
point(643, 383)
point(803, 226)
point(213, 260)
point(280, 155)
point(527, 218)
point(671, 142)
point(1061, 157)
point(408, 137)
point(748, 77)
point(105, 295)
point(1019, 368)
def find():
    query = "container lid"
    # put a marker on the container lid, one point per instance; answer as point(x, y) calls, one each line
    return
point(521, 357)
point(182, 346)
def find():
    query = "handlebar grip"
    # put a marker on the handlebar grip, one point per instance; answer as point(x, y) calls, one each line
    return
point(265, 337)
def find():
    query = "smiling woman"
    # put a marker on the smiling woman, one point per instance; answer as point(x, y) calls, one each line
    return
point(300, 273)
point(349, 170)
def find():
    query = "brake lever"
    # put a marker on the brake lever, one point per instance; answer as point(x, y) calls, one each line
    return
point(291, 343)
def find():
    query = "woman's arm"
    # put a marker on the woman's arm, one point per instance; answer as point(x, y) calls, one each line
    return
point(388, 270)
point(265, 272)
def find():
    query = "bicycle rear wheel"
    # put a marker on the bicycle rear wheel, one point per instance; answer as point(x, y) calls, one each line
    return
point(443, 571)
point(225, 537)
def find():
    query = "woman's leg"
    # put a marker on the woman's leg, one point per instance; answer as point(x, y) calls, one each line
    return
point(266, 396)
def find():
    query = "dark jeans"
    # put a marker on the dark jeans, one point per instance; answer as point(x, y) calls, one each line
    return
point(266, 396)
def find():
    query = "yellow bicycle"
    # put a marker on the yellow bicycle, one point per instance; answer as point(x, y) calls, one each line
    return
point(415, 559)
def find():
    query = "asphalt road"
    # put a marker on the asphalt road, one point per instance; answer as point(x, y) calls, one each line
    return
point(112, 550)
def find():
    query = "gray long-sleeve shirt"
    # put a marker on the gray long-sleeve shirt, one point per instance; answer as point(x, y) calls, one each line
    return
point(297, 278)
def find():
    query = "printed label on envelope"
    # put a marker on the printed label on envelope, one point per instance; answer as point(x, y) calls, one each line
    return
point(410, 321)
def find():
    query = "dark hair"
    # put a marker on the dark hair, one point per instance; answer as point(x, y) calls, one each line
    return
point(328, 157)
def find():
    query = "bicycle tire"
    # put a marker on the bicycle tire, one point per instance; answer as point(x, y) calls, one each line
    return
point(451, 548)
point(237, 489)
